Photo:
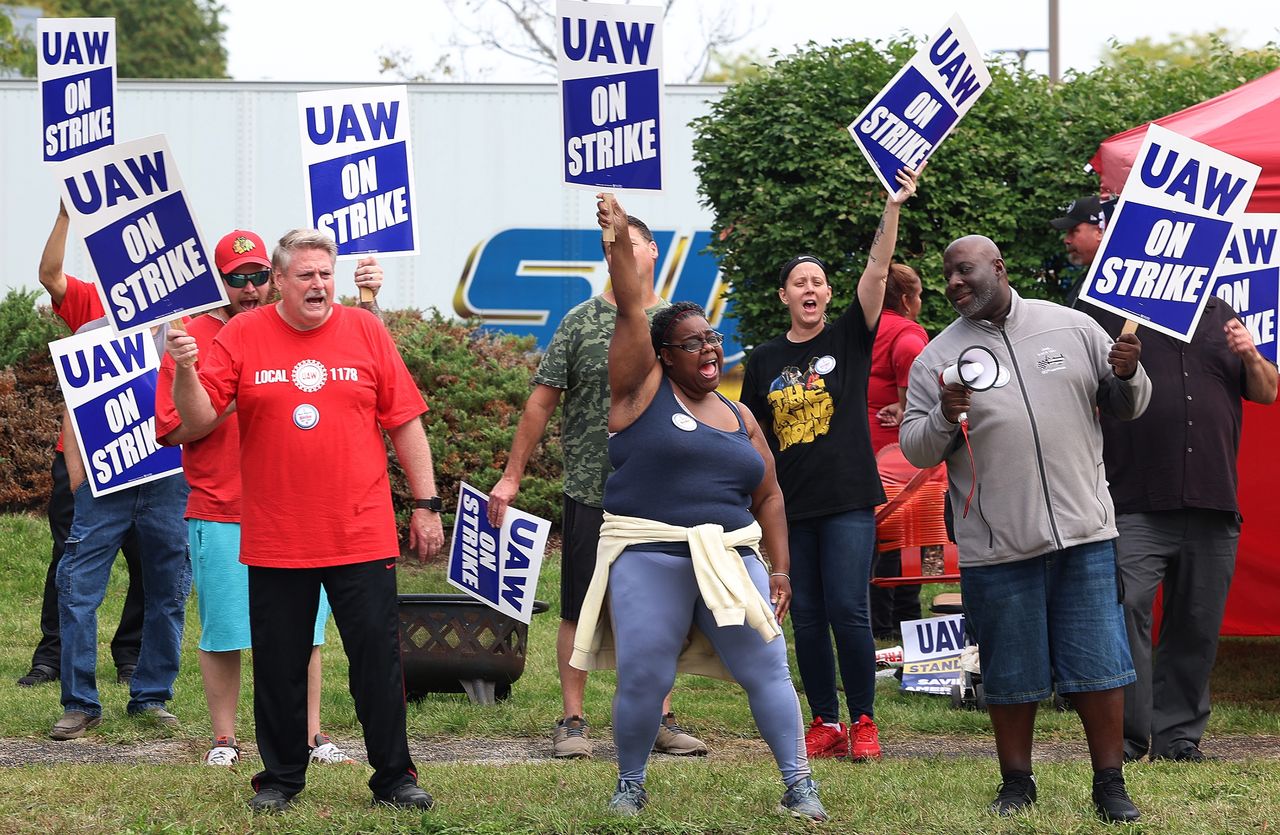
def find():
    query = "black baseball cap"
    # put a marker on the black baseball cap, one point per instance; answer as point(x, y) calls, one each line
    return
point(1092, 209)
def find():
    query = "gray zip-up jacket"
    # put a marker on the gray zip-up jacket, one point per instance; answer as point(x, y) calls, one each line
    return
point(1037, 443)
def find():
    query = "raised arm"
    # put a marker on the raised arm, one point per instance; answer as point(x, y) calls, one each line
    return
point(189, 396)
point(51, 274)
point(368, 282)
point(1259, 374)
point(871, 284)
point(633, 366)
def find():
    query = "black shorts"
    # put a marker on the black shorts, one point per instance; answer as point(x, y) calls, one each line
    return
point(580, 525)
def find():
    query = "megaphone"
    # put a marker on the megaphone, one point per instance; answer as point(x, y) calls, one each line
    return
point(977, 369)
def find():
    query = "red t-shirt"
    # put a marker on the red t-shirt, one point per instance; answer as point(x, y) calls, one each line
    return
point(898, 342)
point(211, 464)
point(311, 405)
point(79, 306)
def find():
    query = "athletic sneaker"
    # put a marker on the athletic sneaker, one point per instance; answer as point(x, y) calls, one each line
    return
point(823, 740)
point(327, 753)
point(1110, 799)
point(223, 752)
point(802, 801)
point(628, 799)
point(569, 739)
point(673, 739)
point(864, 739)
point(1016, 792)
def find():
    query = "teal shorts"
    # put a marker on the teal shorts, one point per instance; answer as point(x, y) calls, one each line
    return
point(222, 588)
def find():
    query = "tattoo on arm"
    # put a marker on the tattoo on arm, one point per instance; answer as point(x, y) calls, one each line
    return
point(875, 240)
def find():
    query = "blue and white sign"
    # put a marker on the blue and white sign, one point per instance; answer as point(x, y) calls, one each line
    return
point(127, 203)
point(1169, 231)
point(76, 69)
point(359, 181)
point(610, 64)
point(109, 385)
point(497, 565)
point(931, 654)
point(1248, 278)
point(922, 104)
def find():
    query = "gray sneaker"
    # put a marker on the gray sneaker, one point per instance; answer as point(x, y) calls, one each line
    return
point(802, 801)
point(157, 715)
point(569, 739)
point(628, 799)
point(673, 739)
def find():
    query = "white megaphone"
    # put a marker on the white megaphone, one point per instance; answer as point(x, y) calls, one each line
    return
point(977, 369)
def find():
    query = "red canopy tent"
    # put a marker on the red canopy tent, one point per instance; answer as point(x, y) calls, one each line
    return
point(1242, 122)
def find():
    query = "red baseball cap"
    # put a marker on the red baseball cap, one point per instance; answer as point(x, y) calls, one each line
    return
point(239, 248)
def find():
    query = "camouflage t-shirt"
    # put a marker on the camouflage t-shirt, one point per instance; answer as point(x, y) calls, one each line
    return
point(577, 360)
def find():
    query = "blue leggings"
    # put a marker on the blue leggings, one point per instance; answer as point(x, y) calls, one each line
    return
point(653, 601)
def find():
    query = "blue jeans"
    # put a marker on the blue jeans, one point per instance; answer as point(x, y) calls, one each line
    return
point(1053, 620)
point(830, 572)
point(152, 512)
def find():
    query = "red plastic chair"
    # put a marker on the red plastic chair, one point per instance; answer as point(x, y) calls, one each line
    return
point(913, 517)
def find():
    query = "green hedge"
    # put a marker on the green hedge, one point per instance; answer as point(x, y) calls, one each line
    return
point(783, 176)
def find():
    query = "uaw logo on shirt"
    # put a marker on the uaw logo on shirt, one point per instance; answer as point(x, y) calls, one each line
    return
point(309, 375)
point(1050, 360)
point(306, 416)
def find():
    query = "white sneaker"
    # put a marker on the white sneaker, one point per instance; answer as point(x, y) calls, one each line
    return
point(224, 752)
point(327, 753)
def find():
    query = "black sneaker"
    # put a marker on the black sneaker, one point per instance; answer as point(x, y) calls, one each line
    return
point(1016, 792)
point(1110, 799)
point(1187, 753)
point(124, 673)
point(405, 796)
point(270, 801)
point(39, 674)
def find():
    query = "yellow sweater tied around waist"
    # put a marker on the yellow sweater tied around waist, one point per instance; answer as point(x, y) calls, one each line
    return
point(723, 582)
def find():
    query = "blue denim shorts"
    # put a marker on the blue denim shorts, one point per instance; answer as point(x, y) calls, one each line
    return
point(1052, 620)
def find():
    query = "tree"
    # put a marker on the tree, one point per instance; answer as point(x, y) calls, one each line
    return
point(156, 38)
point(782, 175)
point(524, 31)
point(16, 52)
point(1179, 51)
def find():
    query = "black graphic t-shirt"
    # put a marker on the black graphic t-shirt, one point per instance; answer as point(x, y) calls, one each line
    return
point(810, 399)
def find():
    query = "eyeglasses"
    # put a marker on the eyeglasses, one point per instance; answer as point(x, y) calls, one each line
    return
point(694, 344)
point(239, 280)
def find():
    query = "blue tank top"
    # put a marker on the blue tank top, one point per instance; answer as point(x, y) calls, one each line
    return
point(669, 467)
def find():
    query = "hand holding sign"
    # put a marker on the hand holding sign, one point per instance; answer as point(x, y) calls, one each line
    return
point(1124, 355)
point(368, 278)
point(610, 216)
point(908, 181)
point(182, 347)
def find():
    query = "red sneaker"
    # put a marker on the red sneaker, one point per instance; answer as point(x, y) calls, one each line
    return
point(822, 740)
point(864, 737)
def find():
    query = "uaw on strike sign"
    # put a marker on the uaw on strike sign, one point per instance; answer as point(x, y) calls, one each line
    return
point(127, 202)
point(922, 104)
point(610, 65)
point(497, 565)
point(1248, 278)
point(359, 183)
point(76, 68)
point(109, 384)
point(1169, 231)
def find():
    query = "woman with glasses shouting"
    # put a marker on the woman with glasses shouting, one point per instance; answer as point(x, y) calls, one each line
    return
point(808, 390)
point(691, 496)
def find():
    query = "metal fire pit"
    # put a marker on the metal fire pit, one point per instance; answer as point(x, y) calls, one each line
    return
point(453, 643)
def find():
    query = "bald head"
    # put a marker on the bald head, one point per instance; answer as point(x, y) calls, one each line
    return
point(977, 285)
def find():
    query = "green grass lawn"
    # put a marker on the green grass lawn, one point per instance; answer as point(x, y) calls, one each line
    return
point(942, 794)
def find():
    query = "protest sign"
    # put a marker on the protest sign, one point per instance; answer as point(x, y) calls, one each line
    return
point(76, 69)
point(1248, 278)
point(127, 202)
point(1169, 231)
point(497, 565)
point(359, 183)
point(609, 59)
point(109, 385)
point(931, 654)
point(920, 106)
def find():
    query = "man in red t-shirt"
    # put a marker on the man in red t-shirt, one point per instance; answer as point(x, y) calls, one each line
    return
point(77, 303)
point(211, 465)
point(314, 386)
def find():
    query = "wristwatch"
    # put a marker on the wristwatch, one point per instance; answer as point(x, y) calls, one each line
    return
point(432, 504)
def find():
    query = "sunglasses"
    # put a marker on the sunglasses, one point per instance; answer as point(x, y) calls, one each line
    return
point(239, 280)
point(694, 344)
